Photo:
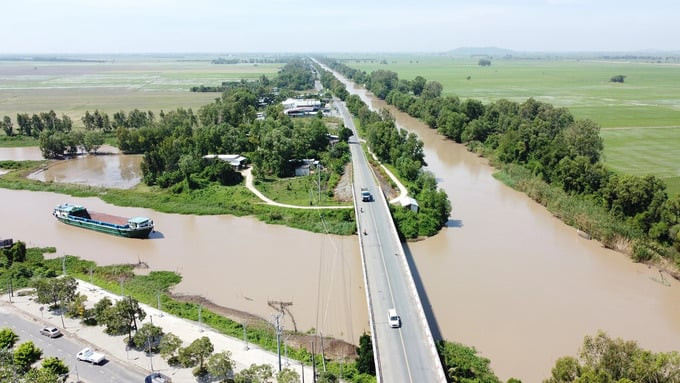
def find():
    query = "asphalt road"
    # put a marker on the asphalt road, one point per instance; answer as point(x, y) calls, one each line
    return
point(404, 354)
point(66, 348)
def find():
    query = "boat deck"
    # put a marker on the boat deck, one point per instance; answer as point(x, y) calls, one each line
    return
point(108, 218)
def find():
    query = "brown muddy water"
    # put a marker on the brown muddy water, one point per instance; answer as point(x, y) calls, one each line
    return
point(30, 153)
point(240, 263)
point(107, 168)
point(518, 284)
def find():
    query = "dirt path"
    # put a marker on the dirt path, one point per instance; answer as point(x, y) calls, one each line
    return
point(249, 184)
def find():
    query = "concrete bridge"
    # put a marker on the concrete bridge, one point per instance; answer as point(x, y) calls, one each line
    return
point(406, 353)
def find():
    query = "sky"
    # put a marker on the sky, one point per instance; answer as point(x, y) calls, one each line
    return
point(185, 26)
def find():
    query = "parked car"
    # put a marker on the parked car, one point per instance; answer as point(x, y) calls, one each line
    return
point(88, 355)
point(50, 331)
point(157, 377)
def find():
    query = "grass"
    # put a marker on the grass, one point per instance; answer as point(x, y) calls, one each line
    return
point(142, 82)
point(300, 191)
point(648, 97)
point(639, 150)
point(17, 141)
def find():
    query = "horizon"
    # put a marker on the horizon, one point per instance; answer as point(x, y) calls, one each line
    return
point(431, 26)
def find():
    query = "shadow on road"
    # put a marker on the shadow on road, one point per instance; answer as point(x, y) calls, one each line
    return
point(427, 307)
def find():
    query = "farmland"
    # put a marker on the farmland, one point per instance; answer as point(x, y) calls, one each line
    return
point(648, 98)
point(120, 83)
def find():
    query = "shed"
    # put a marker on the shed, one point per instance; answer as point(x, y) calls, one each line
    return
point(410, 203)
point(235, 160)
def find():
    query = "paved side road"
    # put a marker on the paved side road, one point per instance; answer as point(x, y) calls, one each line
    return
point(114, 346)
point(66, 348)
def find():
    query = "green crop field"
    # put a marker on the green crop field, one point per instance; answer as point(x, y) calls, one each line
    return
point(648, 97)
point(126, 83)
point(630, 113)
point(642, 151)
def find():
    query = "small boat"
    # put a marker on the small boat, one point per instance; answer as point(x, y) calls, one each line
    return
point(136, 227)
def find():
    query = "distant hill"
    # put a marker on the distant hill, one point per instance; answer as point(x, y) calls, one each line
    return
point(480, 51)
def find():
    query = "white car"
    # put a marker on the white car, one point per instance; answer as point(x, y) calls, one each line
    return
point(51, 332)
point(393, 318)
point(88, 355)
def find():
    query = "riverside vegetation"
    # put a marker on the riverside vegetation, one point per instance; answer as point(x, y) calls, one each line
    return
point(553, 157)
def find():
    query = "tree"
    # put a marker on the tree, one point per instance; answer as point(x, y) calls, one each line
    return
point(58, 292)
point(92, 141)
point(40, 376)
point(287, 376)
point(24, 122)
point(7, 338)
point(327, 377)
point(607, 360)
point(461, 363)
point(124, 315)
point(56, 365)
point(168, 346)
point(433, 89)
point(148, 337)
point(220, 365)
point(196, 353)
point(102, 310)
point(618, 78)
point(256, 373)
point(7, 126)
point(25, 355)
point(484, 62)
point(365, 359)
point(583, 139)
point(417, 85)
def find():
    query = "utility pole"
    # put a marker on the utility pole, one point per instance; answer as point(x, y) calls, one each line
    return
point(323, 357)
point(63, 265)
point(245, 336)
point(278, 337)
point(318, 170)
point(158, 303)
point(200, 319)
point(91, 282)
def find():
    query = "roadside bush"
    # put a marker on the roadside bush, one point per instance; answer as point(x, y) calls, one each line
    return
point(56, 365)
point(7, 338)
point(25, 355)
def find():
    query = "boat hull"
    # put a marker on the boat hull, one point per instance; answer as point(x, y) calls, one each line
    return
point(108, 229)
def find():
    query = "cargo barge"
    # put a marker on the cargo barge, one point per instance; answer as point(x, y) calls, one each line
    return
point(76, 215)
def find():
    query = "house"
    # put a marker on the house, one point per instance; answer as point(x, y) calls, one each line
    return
point(6, 243)
point(302, 170)
point(409, 203)
point(235, 160)
point(300, 107)
point(304, 167)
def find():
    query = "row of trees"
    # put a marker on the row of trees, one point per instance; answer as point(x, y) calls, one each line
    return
point(16, 362)
point(554, 146)
point(404, 151)
point(34, 125)
point(295, 75)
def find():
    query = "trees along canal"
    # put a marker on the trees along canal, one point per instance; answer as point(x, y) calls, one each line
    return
point(534, 142)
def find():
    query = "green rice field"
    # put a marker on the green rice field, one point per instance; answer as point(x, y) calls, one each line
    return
point(122, 83)
point(640, 118)
point(642, 151)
